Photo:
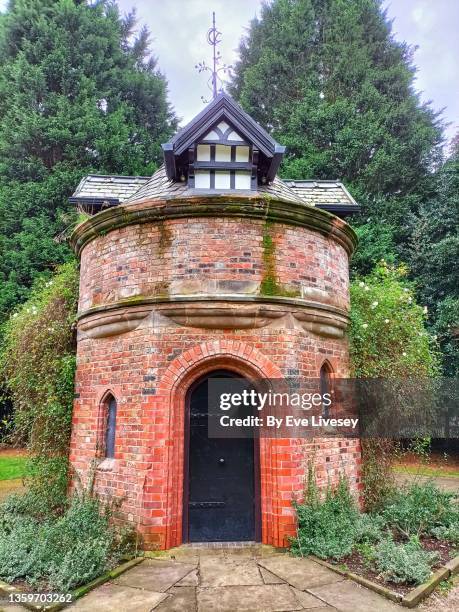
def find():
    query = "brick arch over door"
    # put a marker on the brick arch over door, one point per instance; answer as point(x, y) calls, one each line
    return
point(277, 516)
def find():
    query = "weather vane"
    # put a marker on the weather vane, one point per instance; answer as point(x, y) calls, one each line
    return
point(215, 83)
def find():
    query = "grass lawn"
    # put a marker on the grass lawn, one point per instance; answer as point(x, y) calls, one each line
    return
point(426, 470)
point(12, 466)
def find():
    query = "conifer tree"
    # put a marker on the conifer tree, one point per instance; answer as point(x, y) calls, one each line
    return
point(329, 80)
point(79, 93)
point(434, 255)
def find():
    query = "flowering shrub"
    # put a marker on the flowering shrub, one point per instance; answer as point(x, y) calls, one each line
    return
point(388, 337)
point(37, 365)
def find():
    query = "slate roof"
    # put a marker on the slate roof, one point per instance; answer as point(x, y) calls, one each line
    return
point(160, 186)
point(100, 190)
point(329, 195)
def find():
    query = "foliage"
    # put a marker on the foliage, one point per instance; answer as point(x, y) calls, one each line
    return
point(79, 93)
point(388, 339)
point(377, 477)
point(328, 79)
point(387, 334)
point(369, 529)
point(376, 244)
point(447, 532)
point(326, 528)
point(60, 552)
point(407, 563)
point(419, 509)
point(37, 363)
point(434, 246)
point(332, 528)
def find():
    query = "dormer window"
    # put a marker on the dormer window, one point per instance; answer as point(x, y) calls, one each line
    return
point(222, 160)
point(222, 149)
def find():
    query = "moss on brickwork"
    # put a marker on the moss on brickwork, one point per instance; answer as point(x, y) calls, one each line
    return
point(270, 283)
point(165, 238)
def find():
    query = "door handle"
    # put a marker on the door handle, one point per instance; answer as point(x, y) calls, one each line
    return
point(221, 461)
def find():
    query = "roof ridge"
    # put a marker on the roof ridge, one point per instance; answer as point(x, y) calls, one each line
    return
point(121, 176)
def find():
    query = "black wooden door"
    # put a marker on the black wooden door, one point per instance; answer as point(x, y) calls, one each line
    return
point(221, 495)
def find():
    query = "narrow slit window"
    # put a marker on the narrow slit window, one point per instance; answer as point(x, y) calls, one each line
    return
point(110, 433)
point(325, 386)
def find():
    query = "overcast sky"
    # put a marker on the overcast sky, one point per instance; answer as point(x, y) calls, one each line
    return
point(179, 27)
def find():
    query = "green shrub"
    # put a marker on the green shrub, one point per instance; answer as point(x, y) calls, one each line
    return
point(369, 529)
point(59, 553)
point(419, 508)
point(388, 336)
point(326, 528)
point(368, 553)
point(450, 532)
point(388, 339)
point(37, 366)
point(404, 563)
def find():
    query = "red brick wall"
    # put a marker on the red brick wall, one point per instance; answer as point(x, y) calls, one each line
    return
point(219, 256)
point(150, 368)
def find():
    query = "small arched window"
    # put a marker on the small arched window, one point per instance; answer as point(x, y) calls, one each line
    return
point(110, 431)
point(325, 385)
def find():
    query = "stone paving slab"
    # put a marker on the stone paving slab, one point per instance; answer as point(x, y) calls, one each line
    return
point(266, 598)
point(179, 599)
point(300, 573)
point(347, 596)
point(190, 579)
point(269, 578)
point(308, 601)
point(154, 575)
point(220, 581)
point(110, 597)
point(229, 571)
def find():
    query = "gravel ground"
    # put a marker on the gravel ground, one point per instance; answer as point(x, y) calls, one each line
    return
point(439, 603)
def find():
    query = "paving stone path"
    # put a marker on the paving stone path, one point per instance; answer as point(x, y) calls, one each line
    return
point(251, 579)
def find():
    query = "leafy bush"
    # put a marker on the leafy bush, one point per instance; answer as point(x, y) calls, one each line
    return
point(407, 563)
point(37, 365)
point(388, 328)
point(333, 528)
point(62, 552)
point(450, 532)
point(326, 528)
point(388, 339)
point(369, 529)
point(420, 508)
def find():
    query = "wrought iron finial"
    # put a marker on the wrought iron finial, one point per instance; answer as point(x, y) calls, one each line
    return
point(215, 83)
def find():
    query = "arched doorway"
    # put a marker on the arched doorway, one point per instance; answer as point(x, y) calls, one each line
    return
point(221, 476)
